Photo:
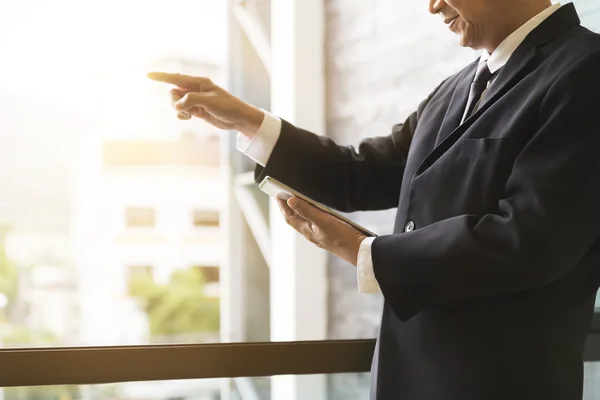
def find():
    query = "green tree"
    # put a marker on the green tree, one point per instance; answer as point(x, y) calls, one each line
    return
point(180, 306)
point(8, 273)
point(68, 392)
point(12, 334)
point(16, 335)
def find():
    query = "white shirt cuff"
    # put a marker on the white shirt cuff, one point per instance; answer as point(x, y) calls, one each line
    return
point(261, 146)
point(365, 274)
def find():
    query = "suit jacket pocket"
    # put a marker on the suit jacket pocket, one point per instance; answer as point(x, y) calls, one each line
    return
point(485, 146)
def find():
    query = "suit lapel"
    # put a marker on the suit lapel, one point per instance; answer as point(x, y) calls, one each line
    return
point(458, 103)
point(513, 71)
point(520, 64)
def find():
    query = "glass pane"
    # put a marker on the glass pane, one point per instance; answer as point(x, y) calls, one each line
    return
point(591, 381)
point(260, 10)
point(337, 387)
point(109, 205)
point(115, 218)
point(332, 387)
point(589, 11)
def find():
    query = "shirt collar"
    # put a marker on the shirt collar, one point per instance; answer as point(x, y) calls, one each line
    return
point(505, 50)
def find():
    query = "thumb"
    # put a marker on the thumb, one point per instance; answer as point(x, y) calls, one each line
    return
point(191, 100)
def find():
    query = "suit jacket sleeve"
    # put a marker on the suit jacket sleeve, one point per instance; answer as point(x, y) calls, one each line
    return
point(339, 176)
point(549, 217)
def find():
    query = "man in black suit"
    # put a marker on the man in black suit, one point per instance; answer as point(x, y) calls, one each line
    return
point(490, 275)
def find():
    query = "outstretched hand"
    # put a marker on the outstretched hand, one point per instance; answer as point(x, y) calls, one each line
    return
point(322, 229)
point(200, 97)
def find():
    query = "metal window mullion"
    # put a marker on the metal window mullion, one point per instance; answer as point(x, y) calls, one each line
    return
point(255, 33)
point(256, 222)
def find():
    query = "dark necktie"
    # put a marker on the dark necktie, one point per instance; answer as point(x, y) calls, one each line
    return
point(482, 77)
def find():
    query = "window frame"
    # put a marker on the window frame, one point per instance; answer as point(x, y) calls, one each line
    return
point(29, 367)
point(115, 364)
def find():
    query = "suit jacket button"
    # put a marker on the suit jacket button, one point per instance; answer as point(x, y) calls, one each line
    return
point(410, 227)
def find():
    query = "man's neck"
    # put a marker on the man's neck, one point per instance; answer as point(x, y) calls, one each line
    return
point(514, 15)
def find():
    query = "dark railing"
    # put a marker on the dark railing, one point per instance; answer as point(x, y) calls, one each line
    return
point(96, 365)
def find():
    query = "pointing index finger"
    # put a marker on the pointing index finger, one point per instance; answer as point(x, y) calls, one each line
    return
point(183, 81)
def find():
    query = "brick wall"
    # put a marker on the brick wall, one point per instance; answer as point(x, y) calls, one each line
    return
point(383, 58)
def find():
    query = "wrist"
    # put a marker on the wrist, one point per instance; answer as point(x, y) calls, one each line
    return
point(351, 250)
point(251, 122)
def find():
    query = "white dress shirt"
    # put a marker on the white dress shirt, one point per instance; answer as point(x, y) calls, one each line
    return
point(261, 146)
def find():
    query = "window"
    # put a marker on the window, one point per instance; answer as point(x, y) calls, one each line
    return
point(205, 218)
point(210, 274)
point(102, 202)
point(136, 217)
point(188, 151)
point(210, 278)
point(589, 12)
point(107, 144)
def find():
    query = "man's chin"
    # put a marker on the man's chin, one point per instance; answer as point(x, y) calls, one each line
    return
point(463, 40)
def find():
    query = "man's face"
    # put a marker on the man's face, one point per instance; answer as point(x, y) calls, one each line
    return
point(466, 18)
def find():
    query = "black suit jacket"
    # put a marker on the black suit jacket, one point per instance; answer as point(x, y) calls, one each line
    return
point(492, 293)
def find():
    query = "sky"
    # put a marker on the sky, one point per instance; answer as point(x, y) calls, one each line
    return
point(53, 49)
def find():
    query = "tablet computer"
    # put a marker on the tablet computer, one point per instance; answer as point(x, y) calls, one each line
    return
point(274, 188)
